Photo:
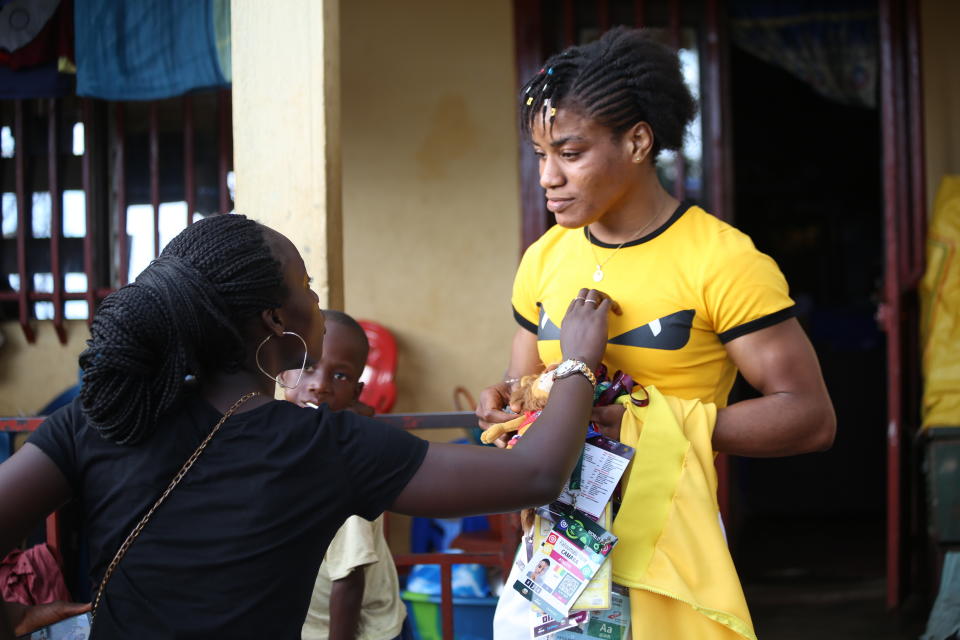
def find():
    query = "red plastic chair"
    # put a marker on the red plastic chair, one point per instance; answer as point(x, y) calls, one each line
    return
point(379, 389)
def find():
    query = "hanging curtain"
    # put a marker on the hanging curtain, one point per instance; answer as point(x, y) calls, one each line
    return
point(831, 46)
point(151, 49)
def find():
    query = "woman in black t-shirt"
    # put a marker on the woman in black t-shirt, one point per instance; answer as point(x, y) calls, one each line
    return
point(234, 549)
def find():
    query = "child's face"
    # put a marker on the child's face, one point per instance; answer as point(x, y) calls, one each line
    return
point(335, 379)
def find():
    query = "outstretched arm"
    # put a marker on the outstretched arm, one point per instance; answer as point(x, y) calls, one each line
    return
point(795, 414)
point(524, 360)
point(458, 480)
point(31, 487)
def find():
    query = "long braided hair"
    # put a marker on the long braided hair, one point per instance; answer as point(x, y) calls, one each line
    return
point(621, 79)
point(182, 316)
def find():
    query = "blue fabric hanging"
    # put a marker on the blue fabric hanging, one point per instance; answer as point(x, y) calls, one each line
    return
point(147, 50)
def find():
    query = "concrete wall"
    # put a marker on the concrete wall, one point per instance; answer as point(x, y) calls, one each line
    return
point(940, 24)
point(286, 128)
point(33, 374)
point(430, 188)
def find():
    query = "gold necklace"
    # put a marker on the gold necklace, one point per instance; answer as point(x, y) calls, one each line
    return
point(598, 274)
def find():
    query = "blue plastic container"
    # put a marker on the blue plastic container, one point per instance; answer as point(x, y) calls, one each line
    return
point(472, 617)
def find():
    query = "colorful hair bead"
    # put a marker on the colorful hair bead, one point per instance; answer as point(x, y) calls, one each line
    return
point(529, 101)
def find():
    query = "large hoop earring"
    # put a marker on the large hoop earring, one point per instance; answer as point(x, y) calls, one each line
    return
point(276, 378)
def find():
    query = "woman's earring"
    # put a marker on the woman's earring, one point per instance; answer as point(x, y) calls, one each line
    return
point(277, 378)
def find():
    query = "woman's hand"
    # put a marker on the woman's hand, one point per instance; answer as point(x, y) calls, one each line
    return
point(586, 321)
point(490, 410)
point(524, 356)
point(535, 470)
point(607, 420)
point(25, 619)
point(583, 332)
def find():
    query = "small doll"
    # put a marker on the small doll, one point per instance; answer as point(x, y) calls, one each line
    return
point(528, 399)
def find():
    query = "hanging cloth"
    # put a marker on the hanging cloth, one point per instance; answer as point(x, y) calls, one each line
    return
point(940, 315)
point(672, 552)
point(32, 577)
point(149, 50)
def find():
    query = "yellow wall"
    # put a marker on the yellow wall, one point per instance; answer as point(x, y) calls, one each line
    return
point(33, 374)
point(940, 24)
point(286, 127)
point(430, 189)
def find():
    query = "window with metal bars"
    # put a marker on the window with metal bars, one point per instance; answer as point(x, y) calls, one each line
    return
point(91, 191)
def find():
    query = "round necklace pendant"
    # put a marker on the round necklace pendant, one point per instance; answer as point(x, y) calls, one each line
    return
point(598, 275)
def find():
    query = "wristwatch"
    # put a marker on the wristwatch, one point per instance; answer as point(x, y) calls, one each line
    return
point(569, 367)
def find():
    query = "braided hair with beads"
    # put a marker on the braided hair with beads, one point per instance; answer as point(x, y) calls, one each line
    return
point(621, 79)
point(182, 316)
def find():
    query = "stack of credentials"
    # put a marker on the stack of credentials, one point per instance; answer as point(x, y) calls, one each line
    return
point(569, 558)
point(568, 577)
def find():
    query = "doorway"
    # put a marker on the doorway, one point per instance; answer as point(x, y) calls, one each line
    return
point(810, 530)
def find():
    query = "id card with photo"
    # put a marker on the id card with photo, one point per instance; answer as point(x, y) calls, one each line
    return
point(570, 556)
point(597, 593)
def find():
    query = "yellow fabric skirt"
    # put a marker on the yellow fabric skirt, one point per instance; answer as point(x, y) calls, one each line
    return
point(672, 552)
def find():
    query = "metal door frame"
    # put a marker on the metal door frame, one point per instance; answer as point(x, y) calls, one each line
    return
point(905, 224)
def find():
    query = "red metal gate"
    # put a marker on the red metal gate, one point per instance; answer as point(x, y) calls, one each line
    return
point(904, 220)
